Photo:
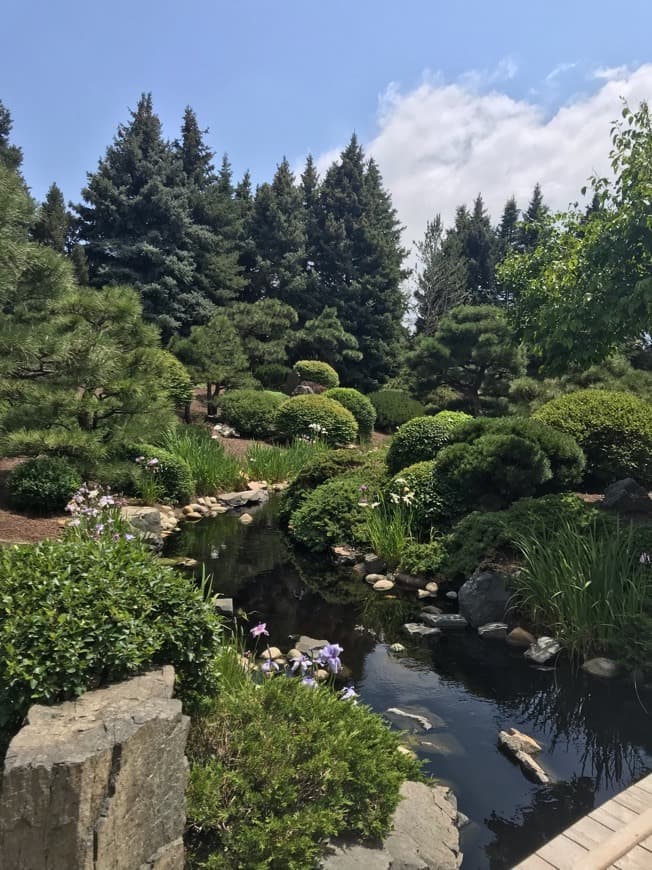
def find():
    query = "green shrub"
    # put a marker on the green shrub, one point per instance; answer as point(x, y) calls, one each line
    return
point(43, 485)
point(422, 558)
point(174, 476)
point(316, 417)
point(322, 467)
point(429, 504)
point(567, 461)
point(211, 467)
point(119, 476)
point(393, 408)
point(613, 429)
point(273, 376)
point(77, 613)
point(359, 405)
point(317, 373)
point(422, 438)
point(278, 768)
point(331, 514)
point(250, 412)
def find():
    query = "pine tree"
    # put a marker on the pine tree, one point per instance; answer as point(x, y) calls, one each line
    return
point(324, 338)
point(440, 277)
point(196, 157)
point(11, 156)
point(136, 223)
point(533, 221)
point(52, 225)
point(508, 230)
point(360, 264)
point(480, 249)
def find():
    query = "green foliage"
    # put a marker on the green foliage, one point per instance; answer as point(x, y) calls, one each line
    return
point(276, 464)
point(586, 585)
point(174, 475)
point(78, 613)
point(251, 412)
point(277, 768)
point(212, 469)
point(390, 521)
point(422, 438)
point(322, 467)
point(567, 461)
point(393, 408)
point(422, 558)
point(313, 416)
point(331, 514)
point(430, 503)
point(324, 338)
point(43, 485)
point(441, 276)
point(613, 429)
point(360, 406)
point(273, 376)
point(175, 380)
point(265, 330)
point(317, 372)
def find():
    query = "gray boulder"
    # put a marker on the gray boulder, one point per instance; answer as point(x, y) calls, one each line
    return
point(626, 496)
point(236, 500)
point(411, 581)
point(146, 520)
point(445, 621)
point(484, 598)
point(543, 650)
point(417, 629)
point(602, 667)
point(493, 631)
point(374, 564)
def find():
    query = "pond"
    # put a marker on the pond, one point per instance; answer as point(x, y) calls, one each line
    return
point(597, 736)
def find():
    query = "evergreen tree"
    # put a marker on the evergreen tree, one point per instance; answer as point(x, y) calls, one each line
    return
point(440, 277)
point(52, 225)
point(360, 264)
point(265, 329)
point(196, 157)
point(136, 223)
point(324, 338)
point(11, 156)
point(508, 231)
point(479, 245)
point(533, 221)
point(311, 205)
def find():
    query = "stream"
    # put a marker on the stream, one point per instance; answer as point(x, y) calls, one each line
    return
point(597, 736)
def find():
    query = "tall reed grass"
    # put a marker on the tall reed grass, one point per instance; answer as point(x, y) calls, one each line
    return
point(212, 468)
point(276, 464)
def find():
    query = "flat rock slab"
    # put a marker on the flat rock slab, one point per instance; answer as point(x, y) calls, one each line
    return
point(236, 500)
point(417, 629)
point(143, 519)
point(493, 631)
point(424, 836)
point(543, 650)
point(602, 667)
point(445, 621)
point(224, 606)
point(307, 644)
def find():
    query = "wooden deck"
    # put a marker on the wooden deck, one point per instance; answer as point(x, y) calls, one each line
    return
point(615, 836)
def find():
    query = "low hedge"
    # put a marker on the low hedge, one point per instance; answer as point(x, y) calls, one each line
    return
point(317, 373)
point(393, 408)
point(252, 413)
point(421, 438)
point(359, 405)
point(43, 485)
point(313, 416)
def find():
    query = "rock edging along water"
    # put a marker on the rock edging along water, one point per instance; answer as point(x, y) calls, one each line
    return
point(424, 835)
point(99, 781)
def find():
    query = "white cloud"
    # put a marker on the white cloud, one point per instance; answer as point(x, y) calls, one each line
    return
point(559, 70)
point(609, 73)
point(441, 144)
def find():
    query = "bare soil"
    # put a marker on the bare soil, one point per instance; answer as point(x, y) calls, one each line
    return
point(16, 528)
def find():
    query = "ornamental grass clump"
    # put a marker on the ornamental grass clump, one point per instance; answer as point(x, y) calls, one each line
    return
point(212, 468)
point(389, 521)
point(276, 464)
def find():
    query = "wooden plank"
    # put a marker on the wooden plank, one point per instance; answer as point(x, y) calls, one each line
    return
point(634, 798)
point(588, 832)
point(613, 815)
point(612, 850)
point(562, 853)
point(646, 783)
point(636, 859)
point(534, 862)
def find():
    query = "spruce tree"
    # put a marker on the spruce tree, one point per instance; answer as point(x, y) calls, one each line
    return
point(480, 249)
point(360, 264)
point(11, 156)
point(508, 230)
point(52, 225)
point(441, 276)
point(532, 225)
point(136, 223)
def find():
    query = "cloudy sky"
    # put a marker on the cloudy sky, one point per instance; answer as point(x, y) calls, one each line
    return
point(452, 98)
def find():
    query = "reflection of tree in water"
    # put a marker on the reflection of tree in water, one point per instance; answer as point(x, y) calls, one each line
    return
point(553, 809)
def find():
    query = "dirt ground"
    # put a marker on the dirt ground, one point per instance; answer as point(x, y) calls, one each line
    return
point(17, 528)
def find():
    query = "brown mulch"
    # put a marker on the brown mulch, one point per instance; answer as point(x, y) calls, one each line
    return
point(18, 528)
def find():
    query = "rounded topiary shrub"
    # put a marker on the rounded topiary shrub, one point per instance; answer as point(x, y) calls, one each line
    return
point(317, 372)
point(422, 438)
point(614, 429)
point(428, 502)
point(251, 412)
point(316, 417)
point(567, 460)
point(359, 405)
point(394, 407)
point(43, 485)
point(326, 465)
point(331, 514)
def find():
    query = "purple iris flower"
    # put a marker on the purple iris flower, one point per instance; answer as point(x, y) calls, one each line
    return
point(348, 694)
point(129, 537)
point(303, 663)
point(309, 681)
point(330, 656)
point(259, 629)
point(269, 665)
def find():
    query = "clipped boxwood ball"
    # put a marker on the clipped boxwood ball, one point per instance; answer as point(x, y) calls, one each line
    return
point(43, 485)
point(422, 438)
point(359, 405)
point(317, 372)
point(316, 417)
point(394, 407)
point(251, 412)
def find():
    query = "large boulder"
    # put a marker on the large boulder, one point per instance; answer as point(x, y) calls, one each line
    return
point(484, 598)
point(627, 496)
point(146, 520)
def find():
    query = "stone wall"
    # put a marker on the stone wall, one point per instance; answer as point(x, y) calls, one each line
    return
point(98, 783)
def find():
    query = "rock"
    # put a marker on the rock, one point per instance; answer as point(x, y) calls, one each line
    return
point(193, 515)
point(417, 629)
point(423, 593)
point(516, 741)
point(308, 645)
point(146, 520)
point(303, 390)
point(374, 564)
point(410, 581)
point(601, 667)
point(272, 652)
point(359, 570)
point(374, 578)
point(345, 555)
point(224, 605)
point(217, 509)
point(626, 496)
point(397, 648)
point(430, 608)
point(484, 598)
point(452, 595)
point(383, 585)
point(234, 500)
point(224, 430)
point(542, 650)
point(405, 750)
point(445, 621)
point(520, 637)
point(321, 675)
point(493, 631)
point(257, 484)
point(426, 724)
point(462, 820)
point(432, 587)
point(98, 781)
point(245, 519)
point(424, 836)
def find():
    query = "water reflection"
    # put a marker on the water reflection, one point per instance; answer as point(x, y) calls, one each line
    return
point(597, 738)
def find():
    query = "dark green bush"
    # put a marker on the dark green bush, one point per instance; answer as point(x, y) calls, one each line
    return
point(174, 475)
point(567, 461)
point(77, 613)
point(430, 504)
point(422, 438)
point(273, 376)
point(613, 429)
point(317, 372)
point(277, 769)
point(316, 417)
point(423, 558)
point(393, 408)
point(120, 476)
point(251, 412)
point(359, 405)
point(43, 485)
point(318, 470)
point(331, 514)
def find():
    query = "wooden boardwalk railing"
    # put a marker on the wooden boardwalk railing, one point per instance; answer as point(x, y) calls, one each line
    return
point(615, 836)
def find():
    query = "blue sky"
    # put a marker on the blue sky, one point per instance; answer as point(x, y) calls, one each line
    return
point(292, 76)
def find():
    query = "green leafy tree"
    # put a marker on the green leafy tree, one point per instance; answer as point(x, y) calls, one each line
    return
point(441, 276)
point(324, 338)
point(470, 362)
point(136, 223)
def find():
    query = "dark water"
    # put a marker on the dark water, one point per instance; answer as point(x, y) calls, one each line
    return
point(597, 737)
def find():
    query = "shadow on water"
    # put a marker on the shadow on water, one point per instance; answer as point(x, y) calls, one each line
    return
point(596, 736)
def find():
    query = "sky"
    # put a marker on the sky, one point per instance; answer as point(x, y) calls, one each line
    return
point(452, 99)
